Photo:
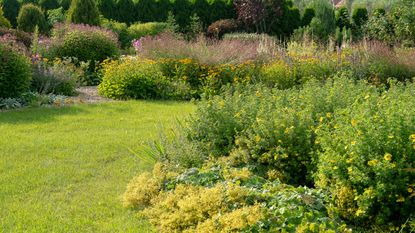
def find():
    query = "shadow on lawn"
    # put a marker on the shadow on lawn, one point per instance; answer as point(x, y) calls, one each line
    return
point(38, 114)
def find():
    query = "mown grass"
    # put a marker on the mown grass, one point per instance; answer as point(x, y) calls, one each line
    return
point(65, 169)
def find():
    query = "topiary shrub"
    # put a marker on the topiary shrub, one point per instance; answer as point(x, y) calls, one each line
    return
point(359, 19)
point(86, 44)
point(3, 21)
point(31, 16)
point(15, 73)
point(219, 28)
point(342, 18)
point(83, 12)
point(132, 79)
point(308, 15)
point(367, 157)
point(360, 16)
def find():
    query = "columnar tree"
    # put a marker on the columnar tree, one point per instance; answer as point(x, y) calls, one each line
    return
point(29, 17)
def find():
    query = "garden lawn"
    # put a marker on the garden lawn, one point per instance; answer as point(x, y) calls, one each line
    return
point(65, 169)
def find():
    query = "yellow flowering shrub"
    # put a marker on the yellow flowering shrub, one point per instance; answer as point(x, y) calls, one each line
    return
point(371, 148)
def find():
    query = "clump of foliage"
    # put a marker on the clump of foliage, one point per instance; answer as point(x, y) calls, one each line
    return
point(219, 28)
point(4, 22)
point(15, 72)
point(132, 79)
point(83, 12)
point(31, 16)
point(55, 16)
point(138, 30)
point(362, 148)
point(394, 26)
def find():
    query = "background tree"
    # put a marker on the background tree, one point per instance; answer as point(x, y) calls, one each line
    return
point(323, 25)
point(124, 11)
point(49, 4)
point(11, 10)
point(3, 21)
point(84, 11)
point(106, 7)
point(31, 16)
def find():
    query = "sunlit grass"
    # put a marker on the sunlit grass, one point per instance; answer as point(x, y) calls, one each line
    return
point(64, 169)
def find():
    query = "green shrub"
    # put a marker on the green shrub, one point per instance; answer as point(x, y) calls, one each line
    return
point(86, 44)
point(360, 16)
point(55, 16)
point(4, 22)
point(15, 73)
point(403, 20)
point(138, 30)
point(83, 12)
point(31, 16)
point(368, 155)
point(131, 78)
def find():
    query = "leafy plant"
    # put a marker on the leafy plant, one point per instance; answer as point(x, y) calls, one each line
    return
point(15, 73)
point(365, 146)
